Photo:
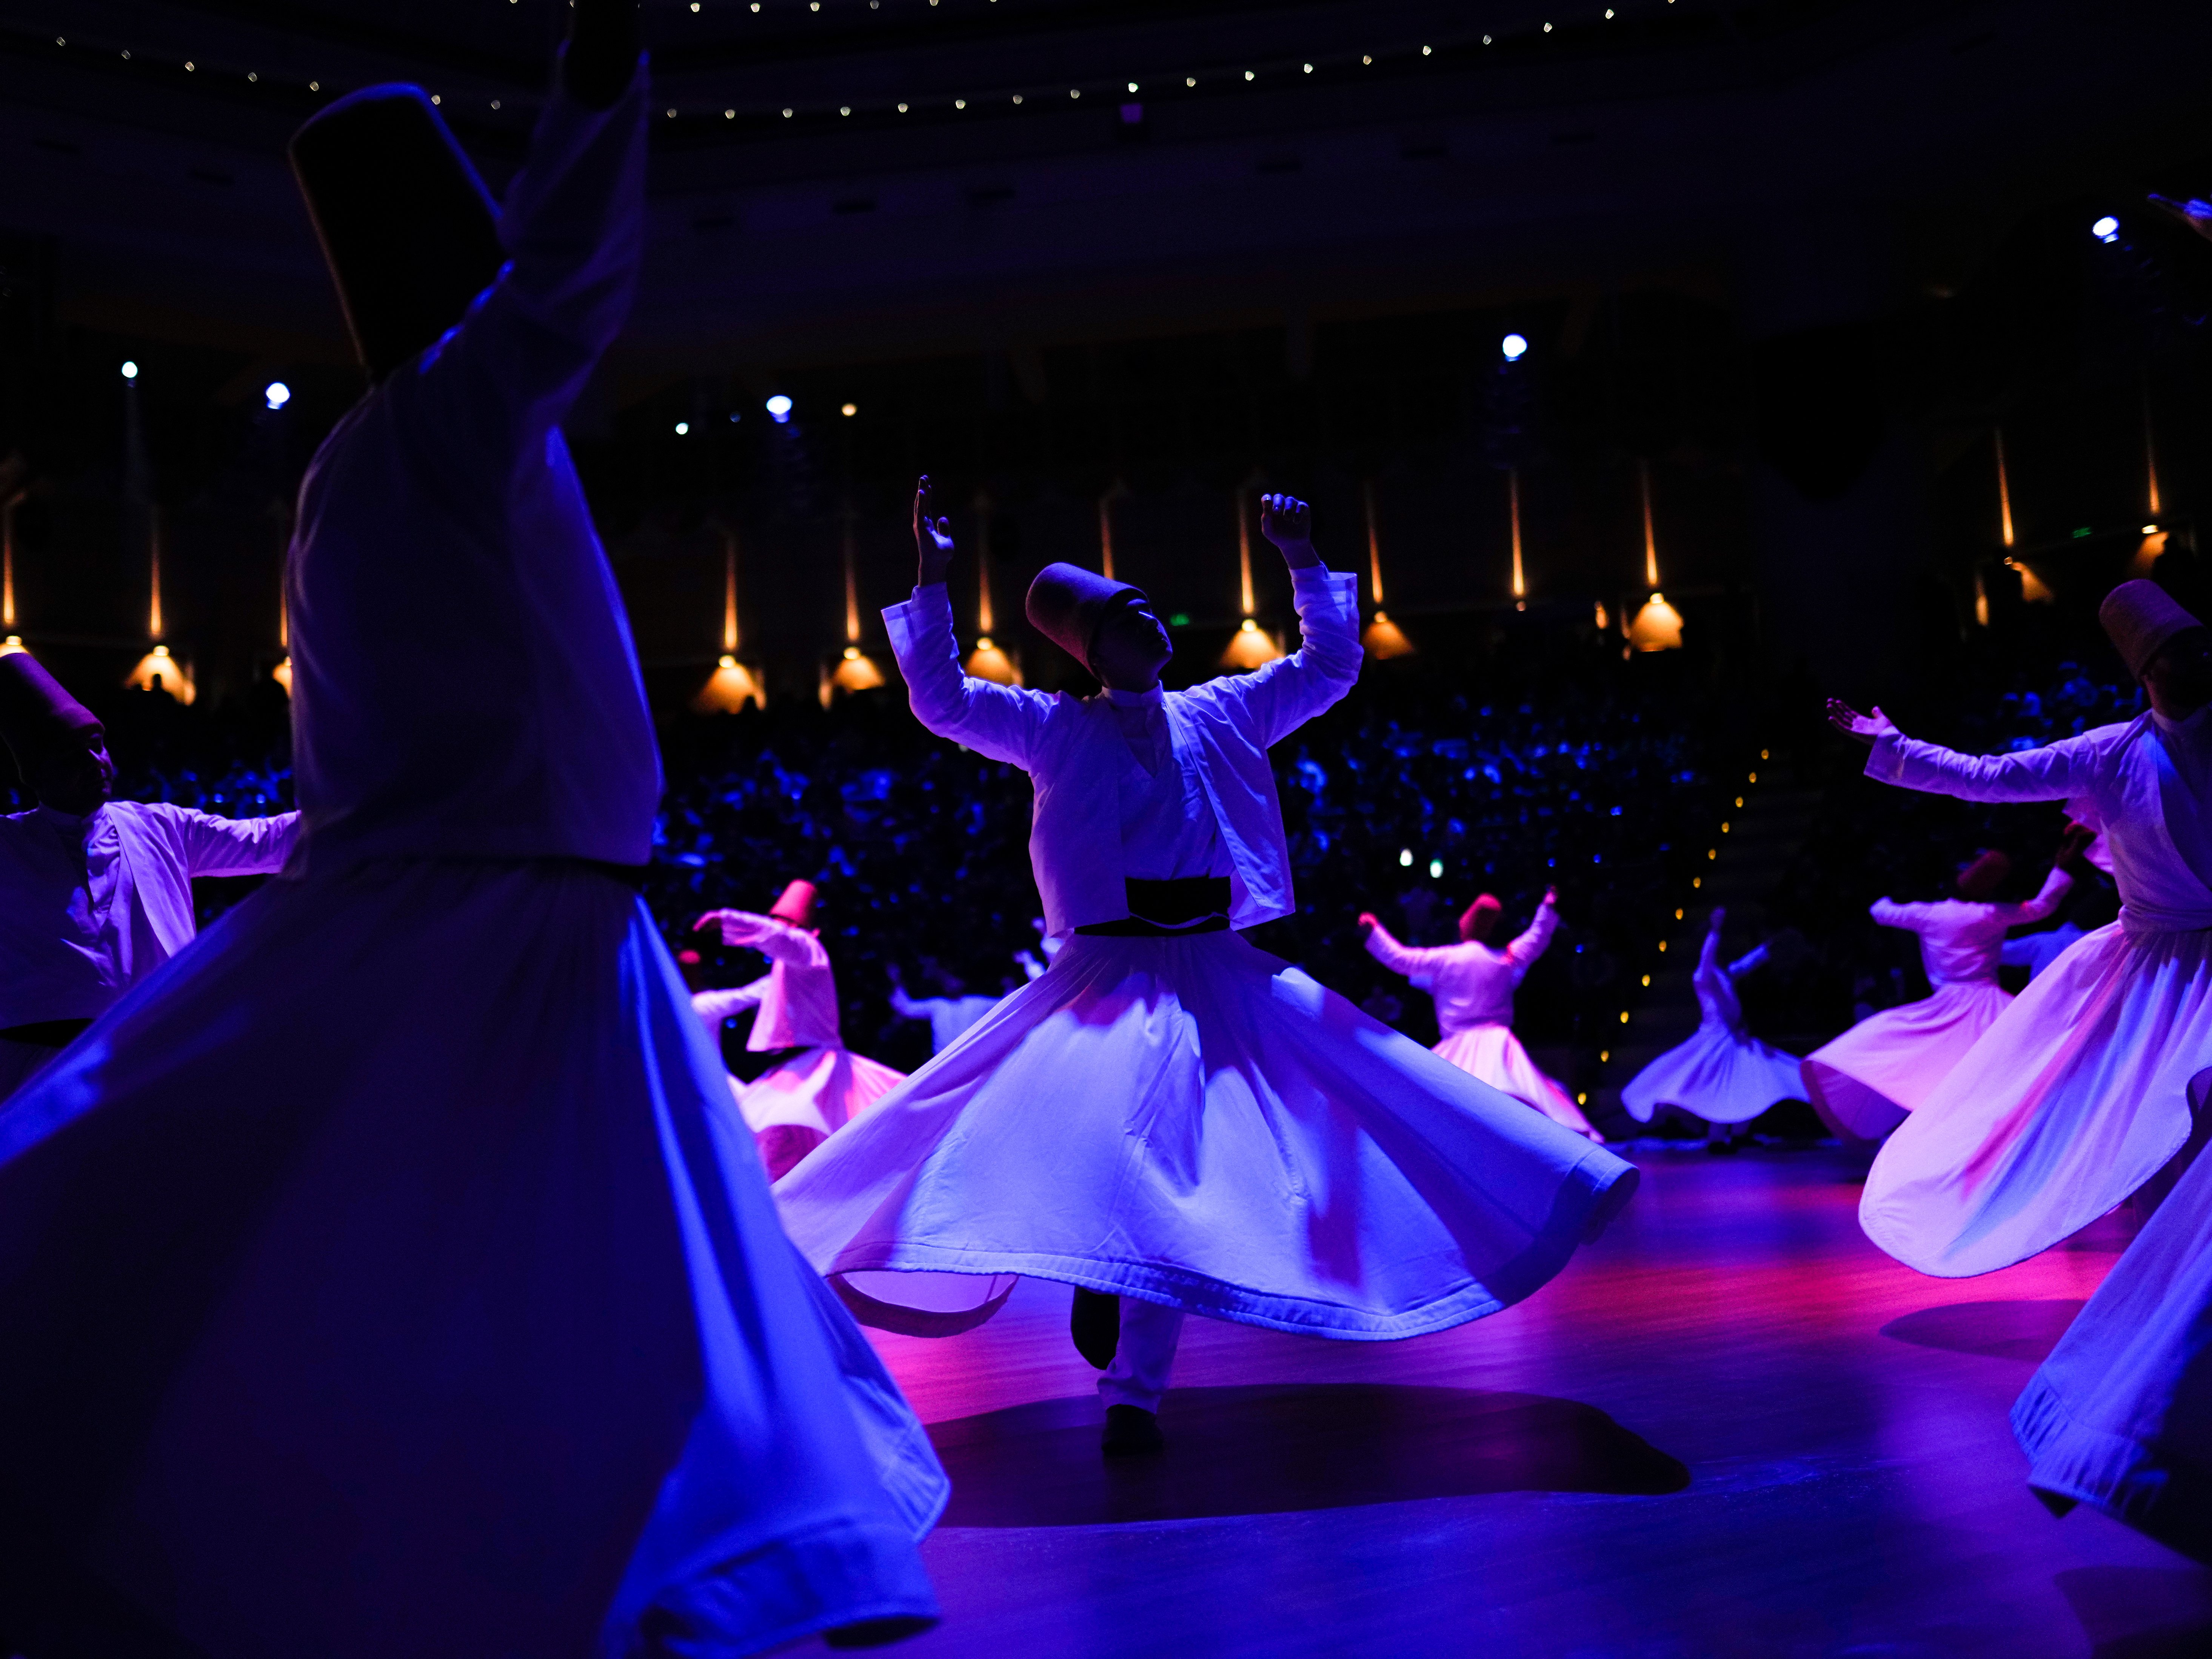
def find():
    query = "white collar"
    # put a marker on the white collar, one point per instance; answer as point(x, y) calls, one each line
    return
point(2194, 726)
point(1150, 699)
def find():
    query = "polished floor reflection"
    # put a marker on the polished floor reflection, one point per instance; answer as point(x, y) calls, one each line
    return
point(1732, 1427)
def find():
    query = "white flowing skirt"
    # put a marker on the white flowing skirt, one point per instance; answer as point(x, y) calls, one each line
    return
point(388, 1275)
point(2117, 1417)
point(2079, 1094)
point(799, 1103)
point(1493, 1054)
point(1194, 1123)
point(1866, 1081)
point(1720, 1076)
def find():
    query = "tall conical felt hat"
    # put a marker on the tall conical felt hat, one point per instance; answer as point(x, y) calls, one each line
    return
point(1066, 603)
point(2141, 616)
point(1984, 875)
point(37, 717)
point(796, 906)
point(410, 232)
point(1480, 917)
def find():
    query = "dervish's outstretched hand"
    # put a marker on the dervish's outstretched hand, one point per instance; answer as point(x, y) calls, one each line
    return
point(1551, 897)
point(2073, 847)
point(2197, 215)
point(1868, 729)
point(1368, 923)
point(933, 539)
point(1288, 522)
point(1718, 919)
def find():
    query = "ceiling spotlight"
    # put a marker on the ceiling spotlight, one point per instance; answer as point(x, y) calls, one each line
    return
point(778, 408)
point(130, 371)
point(1309, 69)
point(1133, 86)
point(1190, 79)
point(276, 394)
point(683, 429)
point(848, 410)
point(2106, 229)
point(1248, 74)
point(1514, 347)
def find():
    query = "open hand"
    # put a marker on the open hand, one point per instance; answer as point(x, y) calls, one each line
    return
point(2197, 215)
point(2073, 846)
point(1860, 729)
point(1551, 897)
point(932, 539)
point(1288, 522)
point(1368, 923)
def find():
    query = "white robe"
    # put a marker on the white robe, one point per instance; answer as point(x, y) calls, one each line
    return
point(1723, 1073)
point(383, 1276)
point(1474, 984)
point(2084, 1086)
point(805, 1098)
point(1186, 1120)
point(1865, 1081)
point(91, 904)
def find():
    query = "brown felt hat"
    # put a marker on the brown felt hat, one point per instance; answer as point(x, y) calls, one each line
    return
point(1066, 603)
point(2141, 616)
point(37, 717)
point(1480, 917)
point(1984, 875)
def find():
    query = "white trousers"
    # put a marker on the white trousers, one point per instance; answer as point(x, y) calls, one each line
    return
point(1139, 1375)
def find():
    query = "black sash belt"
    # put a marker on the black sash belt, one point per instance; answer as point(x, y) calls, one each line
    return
point(1169, 909)
point(46, 1033)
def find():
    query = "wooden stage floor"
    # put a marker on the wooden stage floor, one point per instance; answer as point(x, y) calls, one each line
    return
point(1731, 1427)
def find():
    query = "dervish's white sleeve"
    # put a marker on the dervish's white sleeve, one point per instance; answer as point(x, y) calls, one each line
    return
point(231, 847)
point(1890, 914)
point(1748, 963)
point(1002, 721)
point(1414, 962)
point(1277, 698)
point(2071, 768)
point(1534, 940)
point(775, 938)
point(907, 1007)
point(572, 226)
point(715, 1006)
point(2056, 886)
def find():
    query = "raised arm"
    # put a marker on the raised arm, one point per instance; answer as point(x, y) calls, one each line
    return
point(233, 846)
point(2056, 886)
point(1002, 721)
point(772, 936)
point(1536, 937)
point(1277, 698)
point(1890, 914)
point(1414, 962)
point(573, 228)
point(1709, 953)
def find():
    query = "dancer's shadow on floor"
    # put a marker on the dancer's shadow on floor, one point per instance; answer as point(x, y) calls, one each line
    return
point(1272, 1449)
point(2002, 1330)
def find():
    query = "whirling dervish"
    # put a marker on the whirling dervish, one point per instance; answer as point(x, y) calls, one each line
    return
point(805, 1098)
point(383, 1277)
point(1865, 1082)
point(1473, 982)
point(95, 893)
point(1170, 1120)
point(2095, 1077)
point(1723, 1073)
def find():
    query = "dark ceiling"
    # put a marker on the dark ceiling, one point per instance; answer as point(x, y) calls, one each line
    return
point(1436, 152)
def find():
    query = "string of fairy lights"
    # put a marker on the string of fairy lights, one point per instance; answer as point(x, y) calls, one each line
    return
point(1127, 94)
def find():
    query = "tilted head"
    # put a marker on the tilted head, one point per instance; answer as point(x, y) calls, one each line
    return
point(1108, 627)
point(2164, 647)
point(60, 746)
point(795, 904)
point(410, 232)
point(1480, 917)
point(1983, 875)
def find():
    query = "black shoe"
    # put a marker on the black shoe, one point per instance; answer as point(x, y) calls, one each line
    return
point(1131, 1431)
point(1095, 1322)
